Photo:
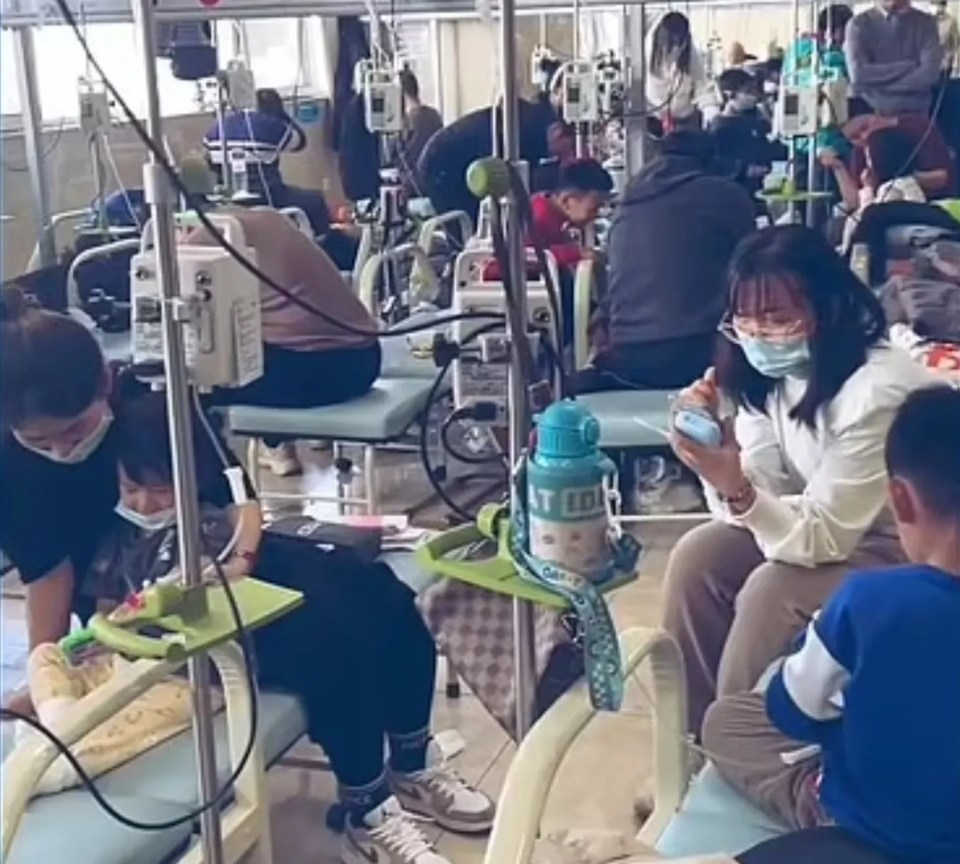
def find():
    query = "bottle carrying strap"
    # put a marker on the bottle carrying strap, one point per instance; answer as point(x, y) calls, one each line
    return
point(602, 661)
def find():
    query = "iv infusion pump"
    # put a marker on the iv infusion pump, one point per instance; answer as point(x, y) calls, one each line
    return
point(220, 302)
point(581, 92)
point(382, 97)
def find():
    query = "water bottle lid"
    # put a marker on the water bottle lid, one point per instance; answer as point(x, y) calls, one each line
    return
point(567, 430)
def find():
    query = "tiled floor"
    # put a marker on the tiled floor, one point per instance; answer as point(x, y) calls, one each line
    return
point(596, 783)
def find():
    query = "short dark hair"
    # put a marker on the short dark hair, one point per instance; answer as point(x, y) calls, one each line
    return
point(892, 154)
point(142, 439)
point(409, 83)
point(923, 446)
point(270, 102)
point(737, 81)
point(50, 364)
point(585, 175)
point(833, 19)
point(849, 317)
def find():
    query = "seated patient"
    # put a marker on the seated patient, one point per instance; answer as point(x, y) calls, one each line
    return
point(309, 360)
point(741, 133)
point(875, 685)
point(360, 685)
point(671, 239)
point(888, 175)
point(582, 188)
point(265, 134)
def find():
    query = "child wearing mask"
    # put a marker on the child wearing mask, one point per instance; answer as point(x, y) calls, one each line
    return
point(360, 685)
point(741, 133)
point(874, 688)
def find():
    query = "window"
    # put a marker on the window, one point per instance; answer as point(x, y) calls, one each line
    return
point(278, 53)
point(61, 63)
point(9, 86)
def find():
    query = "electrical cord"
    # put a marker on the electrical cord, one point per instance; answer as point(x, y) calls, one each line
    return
point(193, 814)
point(46, 154)
point(433, 397)
point(467, 458)
point(174, 178)
point(249, 658)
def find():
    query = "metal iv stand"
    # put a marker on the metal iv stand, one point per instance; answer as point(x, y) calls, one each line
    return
point(160, 197)
point(518, 397)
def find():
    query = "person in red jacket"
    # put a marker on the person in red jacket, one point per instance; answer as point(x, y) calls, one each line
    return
point(583, 188)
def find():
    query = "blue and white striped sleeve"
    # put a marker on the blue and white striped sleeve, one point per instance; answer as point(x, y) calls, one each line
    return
point(805, 698)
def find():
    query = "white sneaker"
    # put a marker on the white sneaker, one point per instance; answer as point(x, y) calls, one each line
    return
point(282, 460)
point(440, 794)
point(387, 835)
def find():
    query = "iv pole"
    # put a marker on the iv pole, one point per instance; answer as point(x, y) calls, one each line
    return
point(518, 400)
point(160, 197)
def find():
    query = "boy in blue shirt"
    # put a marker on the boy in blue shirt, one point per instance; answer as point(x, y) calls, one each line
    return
point(855, 743)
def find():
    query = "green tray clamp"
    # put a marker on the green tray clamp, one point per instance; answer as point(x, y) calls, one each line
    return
point(195, 619)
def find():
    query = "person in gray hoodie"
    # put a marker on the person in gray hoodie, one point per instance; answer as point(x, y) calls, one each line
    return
point(672, 237)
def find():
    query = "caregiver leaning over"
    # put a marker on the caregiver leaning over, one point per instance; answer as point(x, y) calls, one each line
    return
point(797, 488)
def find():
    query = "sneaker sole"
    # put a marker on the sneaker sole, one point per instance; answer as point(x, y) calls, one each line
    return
point(447, 823)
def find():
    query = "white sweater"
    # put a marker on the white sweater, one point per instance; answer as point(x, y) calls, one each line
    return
point(820, 490)
point(679, 94)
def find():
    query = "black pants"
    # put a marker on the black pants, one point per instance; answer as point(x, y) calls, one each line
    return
point(307, 379)
point(357, 653)
point(310, 201)
point(815, 846)
point(648, 365)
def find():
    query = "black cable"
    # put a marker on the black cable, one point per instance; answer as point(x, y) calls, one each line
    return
point(432, 398)
point(161, 160)
point(466, 458)
point(192, 815)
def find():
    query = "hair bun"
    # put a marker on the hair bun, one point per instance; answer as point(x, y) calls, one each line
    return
point(13, 303)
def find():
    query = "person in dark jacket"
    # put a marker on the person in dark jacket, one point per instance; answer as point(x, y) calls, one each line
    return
point(670, 242)
point(741, 133)
point(448, 154)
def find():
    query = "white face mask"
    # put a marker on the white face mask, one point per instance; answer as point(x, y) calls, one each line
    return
point(147, 521)
point(81, 451)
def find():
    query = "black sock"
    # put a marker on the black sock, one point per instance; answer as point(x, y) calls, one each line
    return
point(360, 800)
point(408, 751)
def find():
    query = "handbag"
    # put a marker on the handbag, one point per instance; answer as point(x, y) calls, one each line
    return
point(473, 628)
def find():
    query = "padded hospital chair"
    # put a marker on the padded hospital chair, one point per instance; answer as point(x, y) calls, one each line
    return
point(160, 784)
point(702, 817)
point(632, 422)
point(385, 415)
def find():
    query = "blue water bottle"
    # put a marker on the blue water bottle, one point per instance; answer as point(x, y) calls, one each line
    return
point(568, 483)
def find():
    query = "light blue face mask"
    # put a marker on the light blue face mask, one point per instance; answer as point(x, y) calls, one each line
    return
point(777, 359)
point(147, 521)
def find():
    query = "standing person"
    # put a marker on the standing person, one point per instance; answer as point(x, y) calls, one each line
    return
point(875, 686)
point(657, 321)
point(949, 37)
point(678, 90)
point(420, 123)
point(894, 55)
point(797, 486)
point(451, 151)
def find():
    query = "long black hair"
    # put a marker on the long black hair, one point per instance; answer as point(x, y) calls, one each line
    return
point(672, 32)
point(50, 364)
point(849, 319)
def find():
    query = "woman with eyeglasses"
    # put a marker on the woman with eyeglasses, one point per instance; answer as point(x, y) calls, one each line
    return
point(806, 387)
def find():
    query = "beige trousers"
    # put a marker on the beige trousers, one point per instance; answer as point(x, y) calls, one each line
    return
point(747, 750)
point(733, 613)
